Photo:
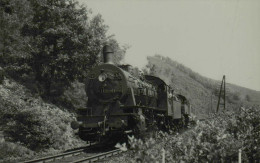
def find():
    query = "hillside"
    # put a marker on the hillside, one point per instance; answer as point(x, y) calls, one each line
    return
point(243, 92)
point(197, 88)
point(31, 126)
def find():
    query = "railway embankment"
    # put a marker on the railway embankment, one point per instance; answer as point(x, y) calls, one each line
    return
point(30, 126)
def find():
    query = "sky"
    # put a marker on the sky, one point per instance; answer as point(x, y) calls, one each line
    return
point(212, 37)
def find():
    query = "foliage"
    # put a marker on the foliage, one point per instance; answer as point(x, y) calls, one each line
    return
point(12, 151)
point(28, 127)
point(64, 42)
point(213, 140)
point(245, 127)
point(51, 43)
point(14, 14)
point(74, 97)
point(119, 51)
point(29, 122)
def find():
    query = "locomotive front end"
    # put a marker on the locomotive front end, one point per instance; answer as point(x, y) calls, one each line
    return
point(106, 85)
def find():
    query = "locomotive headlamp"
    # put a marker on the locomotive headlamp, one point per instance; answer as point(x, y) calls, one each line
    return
point(102, 77)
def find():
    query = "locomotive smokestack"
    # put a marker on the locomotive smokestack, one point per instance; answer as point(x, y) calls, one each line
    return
point(108, 54)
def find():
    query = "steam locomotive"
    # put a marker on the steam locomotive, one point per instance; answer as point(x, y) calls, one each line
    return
point(122, 103)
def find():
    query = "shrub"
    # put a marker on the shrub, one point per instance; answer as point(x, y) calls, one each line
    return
point(12, 151)
point(214, 140)
point(31, 122)
point(28, 127)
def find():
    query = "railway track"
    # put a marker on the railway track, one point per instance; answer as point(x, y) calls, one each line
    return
point(99, 156)
point(79, 154)
point(60, 156)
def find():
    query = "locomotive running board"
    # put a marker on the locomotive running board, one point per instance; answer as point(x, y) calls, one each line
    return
point(142, 107)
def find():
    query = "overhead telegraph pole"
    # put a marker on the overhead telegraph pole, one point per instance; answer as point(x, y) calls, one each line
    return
point(222, 93)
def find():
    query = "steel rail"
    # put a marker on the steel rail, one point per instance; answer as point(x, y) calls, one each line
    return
point(99, 156)
point(59, 156)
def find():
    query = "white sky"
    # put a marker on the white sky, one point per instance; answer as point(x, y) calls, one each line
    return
point(212, 37)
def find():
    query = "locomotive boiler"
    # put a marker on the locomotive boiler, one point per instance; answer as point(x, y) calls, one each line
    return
point(120, 102)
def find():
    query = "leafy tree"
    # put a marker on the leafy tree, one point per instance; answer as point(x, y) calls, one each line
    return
point(119, 51)
point(13, 47)
point(51, 42)
point(64, 41)
point(151, 68)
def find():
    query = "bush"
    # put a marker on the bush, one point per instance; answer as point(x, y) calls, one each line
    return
point(37, 128)
point(26, 126)
point(214, 140)
point(12, 151)
point(31, 122)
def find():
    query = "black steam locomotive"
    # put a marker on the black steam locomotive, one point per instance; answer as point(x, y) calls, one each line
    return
point(121, 103)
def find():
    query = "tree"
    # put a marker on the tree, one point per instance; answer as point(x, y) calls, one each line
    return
point(248, 98)
point(13, 46)
point(119, 51)
point(64, 41)
point(51, 42)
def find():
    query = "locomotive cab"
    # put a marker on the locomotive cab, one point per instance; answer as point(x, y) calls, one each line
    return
point(161, 90)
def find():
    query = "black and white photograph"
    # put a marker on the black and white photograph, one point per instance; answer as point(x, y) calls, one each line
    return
point(130, 81)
